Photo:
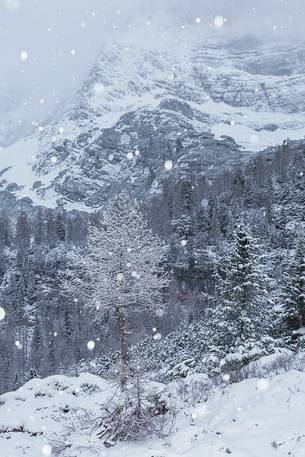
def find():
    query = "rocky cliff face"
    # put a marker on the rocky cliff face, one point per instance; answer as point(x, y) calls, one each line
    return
point(206, 106)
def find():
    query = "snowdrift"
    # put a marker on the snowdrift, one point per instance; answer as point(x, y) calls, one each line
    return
point(253, 418)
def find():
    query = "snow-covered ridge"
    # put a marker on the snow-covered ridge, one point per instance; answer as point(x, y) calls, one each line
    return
point(256, 417)
point(244, 89)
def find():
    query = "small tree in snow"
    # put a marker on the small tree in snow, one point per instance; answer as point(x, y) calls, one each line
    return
point(121, 270)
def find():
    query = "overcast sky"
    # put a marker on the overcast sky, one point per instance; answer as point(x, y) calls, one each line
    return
point(48, 46)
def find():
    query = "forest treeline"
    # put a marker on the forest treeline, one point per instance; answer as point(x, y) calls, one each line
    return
point(245, 227)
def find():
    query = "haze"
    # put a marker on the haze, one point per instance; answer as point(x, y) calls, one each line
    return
point(48, 46)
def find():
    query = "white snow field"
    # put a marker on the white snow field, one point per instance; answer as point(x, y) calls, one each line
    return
point(253, 418)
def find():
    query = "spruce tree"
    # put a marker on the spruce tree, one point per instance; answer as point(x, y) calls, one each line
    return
point(38, 349)
point(50, 229)
point(39, 228)
point(23, 232)
point(60, 226)
point(294, 292)
point(241, 315)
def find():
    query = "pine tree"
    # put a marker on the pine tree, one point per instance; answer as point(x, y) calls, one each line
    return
point(4, 243)
point(23, 232)
point(39, 229)
point(50, 229)
point(60, 226)
point(294, 291)
point(212, 209)
point(202, 227)
point(38, 349)
point(238, 186)
point(223, 218)
point(243, 304)
point(4, 229)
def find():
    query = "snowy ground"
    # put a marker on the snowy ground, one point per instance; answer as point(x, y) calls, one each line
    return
point(254, 418)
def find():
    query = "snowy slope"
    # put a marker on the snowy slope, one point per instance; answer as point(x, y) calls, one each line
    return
point(254, 418)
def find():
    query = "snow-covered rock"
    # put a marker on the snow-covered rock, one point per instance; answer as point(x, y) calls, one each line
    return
point(141, 106)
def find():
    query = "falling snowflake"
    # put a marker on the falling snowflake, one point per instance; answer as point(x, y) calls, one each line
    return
point(2, 314)
point(120, 276)
point(18, 345)
point(218, 22)
point(130, 156)
point(168, 165)
point(226, 377)
point(91, 345)
point(73, 52)
point(198, 20)
point(53, 159)
point(157, 336)
point(183, 242)
point(24, 56)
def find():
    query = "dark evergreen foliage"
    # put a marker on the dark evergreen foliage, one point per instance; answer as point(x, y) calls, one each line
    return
point(257, 293)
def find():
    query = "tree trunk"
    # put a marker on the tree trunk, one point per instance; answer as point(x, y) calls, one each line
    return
point(123, 344)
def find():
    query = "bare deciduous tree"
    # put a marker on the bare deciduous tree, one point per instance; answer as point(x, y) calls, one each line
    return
point(121, 271)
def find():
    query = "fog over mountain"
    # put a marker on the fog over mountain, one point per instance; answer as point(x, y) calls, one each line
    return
point(62, 39)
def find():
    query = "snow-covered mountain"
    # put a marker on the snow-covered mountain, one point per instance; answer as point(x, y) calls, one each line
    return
point(208, 104)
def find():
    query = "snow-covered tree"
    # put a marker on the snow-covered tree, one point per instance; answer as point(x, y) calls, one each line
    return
point(60, 226)
point(243, 304)
point(294, 291)
point(122, 269)
point(23, 231)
